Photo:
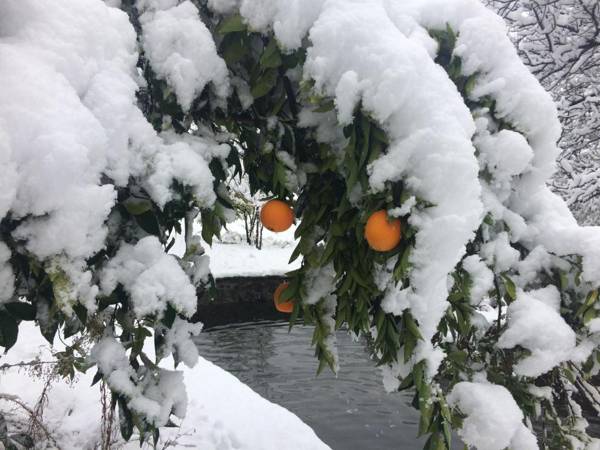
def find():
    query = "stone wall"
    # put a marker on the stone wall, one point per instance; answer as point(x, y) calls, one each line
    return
point(240, 299)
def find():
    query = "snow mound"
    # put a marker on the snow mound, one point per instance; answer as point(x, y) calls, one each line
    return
point(494, 420)
point(535, 324)
point(151, 277)
point(181, 49)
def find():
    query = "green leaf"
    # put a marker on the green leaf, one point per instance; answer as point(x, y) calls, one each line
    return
point(80, 312)
point(380, 135)
point(47, 320)
point(72, 326)
point(435, 442)
point(564, 282)
point(447, 434)
point(418, 375)
point(9, 330)
point(470, 84)
point(402, 268)
point(463, 322)
point(137, 206)
point(289, 292)
point(21, 310)
point(208, 226)
point(233, 49)
point(263, 85)
point(149, 223)
point(125, 419)
point(411, 325)
point(97, 377)
point(231, 25)
point(590, 299)
point(325, 107)
point(426, 409)
point(510, 287)
point(458, 356)
point(589, 314)
point(407, 382)
point(271, 57)
point(297, 252)
point(410, 342)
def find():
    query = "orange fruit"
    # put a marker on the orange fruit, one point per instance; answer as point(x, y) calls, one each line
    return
point(284, 307)
point(381, 232)
point(276, 216)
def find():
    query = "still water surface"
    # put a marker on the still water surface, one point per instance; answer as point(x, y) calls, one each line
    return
point(348, 412)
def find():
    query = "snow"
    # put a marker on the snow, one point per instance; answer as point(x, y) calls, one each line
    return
point(482, 278)
point(68, 116)
point(222, 413)
point(400, 86)
point(156, 397)
point(499, 254)
point(181, 49)
point(47, 123)
point(151, 277)
point(494, 420)
point(319, 284)
point(289, 19)
point(71, 134)
point(534, 323)
point(505, 154)
point(178, 340)
point(594, 325)
point(232, 256)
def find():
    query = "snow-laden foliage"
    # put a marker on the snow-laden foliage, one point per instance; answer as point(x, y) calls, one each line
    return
point(494, 420)
point(559, 40)
point(342, 107)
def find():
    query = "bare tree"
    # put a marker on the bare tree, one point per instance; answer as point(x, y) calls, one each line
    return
point(560, 42)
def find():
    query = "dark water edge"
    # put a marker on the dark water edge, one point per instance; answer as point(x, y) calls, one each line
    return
point(349, 412)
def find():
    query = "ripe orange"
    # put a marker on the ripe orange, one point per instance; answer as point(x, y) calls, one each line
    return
point(381, 233)
point(284, 307)
point(276, 216)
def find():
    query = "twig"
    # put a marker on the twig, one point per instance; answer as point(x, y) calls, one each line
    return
point(18, 401)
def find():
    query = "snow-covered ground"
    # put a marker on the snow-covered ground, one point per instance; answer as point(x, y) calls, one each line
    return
point(232, 256)
point(223, 413)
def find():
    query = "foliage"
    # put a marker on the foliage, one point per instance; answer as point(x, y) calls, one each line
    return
point(329, 187)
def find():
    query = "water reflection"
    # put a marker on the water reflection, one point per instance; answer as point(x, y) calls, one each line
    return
point(350, 412)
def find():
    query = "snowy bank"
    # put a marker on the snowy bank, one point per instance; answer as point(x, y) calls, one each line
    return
point(222, 412)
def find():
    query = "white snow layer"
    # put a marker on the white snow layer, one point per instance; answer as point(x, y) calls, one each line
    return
point(494, 420)
point(222, 413)
point(181, 50)
point(151, 277)
point(534, 323)
point(386, 62)
point(68, 115)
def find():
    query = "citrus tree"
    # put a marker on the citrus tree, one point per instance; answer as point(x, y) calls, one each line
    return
point(121, 121)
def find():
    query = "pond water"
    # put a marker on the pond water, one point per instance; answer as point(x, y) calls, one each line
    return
point(348, 412)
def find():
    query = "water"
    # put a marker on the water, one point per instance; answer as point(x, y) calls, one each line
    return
point(350, 412)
